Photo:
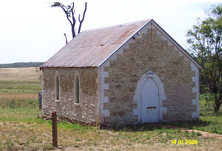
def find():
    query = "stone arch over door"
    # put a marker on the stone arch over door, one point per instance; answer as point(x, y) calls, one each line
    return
point(149, 78)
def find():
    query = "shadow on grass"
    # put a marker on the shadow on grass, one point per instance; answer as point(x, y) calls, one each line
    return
point(210, 113)
point(190, 125)
point(135, 128)
point(159, 126)
point(206, 119)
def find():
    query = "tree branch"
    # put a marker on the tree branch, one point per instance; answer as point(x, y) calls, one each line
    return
point(70, 11)
point(66, 38)
point(64, 8)
point(81, 21)
point(73, 20)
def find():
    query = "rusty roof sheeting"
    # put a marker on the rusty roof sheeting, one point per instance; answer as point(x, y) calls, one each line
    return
point(92, 47)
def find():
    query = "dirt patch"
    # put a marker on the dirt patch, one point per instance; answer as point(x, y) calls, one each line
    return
point(204, 134)
point(18, 95)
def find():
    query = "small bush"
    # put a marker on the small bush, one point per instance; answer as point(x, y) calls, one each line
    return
point(193, 134)
point(147, 137)
point(3, 105)
point(31, 101)
point(199, 134)
point(12, 104)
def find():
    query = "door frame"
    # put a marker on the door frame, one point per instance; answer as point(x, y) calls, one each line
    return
point(138, 95)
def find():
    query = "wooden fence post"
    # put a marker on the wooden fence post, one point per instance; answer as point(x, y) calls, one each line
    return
point(40, 99)
point(54, 129)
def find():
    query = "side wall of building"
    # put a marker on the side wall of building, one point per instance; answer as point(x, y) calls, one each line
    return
point(86, 110)
point(149, 50)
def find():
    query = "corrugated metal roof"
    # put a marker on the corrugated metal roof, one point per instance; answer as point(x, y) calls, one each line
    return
point(92, 47)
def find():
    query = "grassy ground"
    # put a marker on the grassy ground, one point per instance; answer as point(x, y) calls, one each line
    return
point(16, 94)
point(21, 129)
point(17, 86)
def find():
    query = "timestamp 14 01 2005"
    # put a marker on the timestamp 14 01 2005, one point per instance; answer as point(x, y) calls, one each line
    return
point(185, 142)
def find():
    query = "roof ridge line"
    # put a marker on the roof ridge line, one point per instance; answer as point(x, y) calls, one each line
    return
point(117, 25)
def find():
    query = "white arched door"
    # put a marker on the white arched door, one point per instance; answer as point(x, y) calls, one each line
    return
point(150, 102)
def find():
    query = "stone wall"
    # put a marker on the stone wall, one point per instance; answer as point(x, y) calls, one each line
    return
point(149, 51)
point(86, 110)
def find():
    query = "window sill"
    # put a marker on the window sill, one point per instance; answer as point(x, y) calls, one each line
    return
point(57, 101)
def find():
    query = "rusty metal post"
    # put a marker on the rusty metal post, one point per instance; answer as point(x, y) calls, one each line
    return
point(54, 129)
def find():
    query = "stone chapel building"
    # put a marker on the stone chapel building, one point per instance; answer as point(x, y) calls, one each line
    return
point(119, 75)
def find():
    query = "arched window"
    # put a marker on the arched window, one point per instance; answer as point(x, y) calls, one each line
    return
point(77, 88)
point(57, 87)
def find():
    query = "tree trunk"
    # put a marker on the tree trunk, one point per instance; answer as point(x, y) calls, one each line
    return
point(73, 31)
point(217, 105)
point(216, 108)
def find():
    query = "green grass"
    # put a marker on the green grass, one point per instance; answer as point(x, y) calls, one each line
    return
point(21, 128)
point(19, 94)
point(18, 103)
point(206, 104)
point(20, 114)
point(20, 86)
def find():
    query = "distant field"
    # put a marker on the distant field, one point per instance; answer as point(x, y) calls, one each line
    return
point(19, 87)
point(30, 73)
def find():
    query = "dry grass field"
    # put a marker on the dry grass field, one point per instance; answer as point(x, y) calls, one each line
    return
point(19, 86)
point(19, 73)
point(21, 129)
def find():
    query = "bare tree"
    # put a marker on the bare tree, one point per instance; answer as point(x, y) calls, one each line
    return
point(69, 11)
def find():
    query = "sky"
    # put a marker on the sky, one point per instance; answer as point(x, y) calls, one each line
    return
point(31, 31)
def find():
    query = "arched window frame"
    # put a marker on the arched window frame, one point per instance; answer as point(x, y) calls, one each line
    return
point(77, 88)
point(57, 86)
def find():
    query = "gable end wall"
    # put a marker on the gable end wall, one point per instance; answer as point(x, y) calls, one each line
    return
point(150, 50)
